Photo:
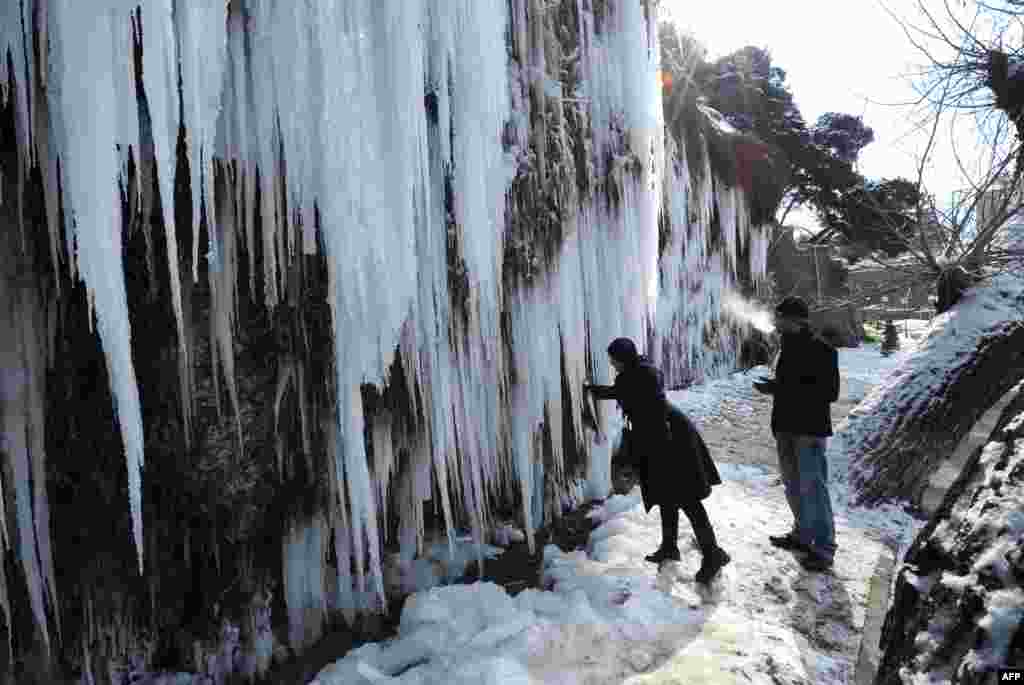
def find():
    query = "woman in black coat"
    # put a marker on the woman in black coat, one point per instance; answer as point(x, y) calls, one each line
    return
point(675, 468)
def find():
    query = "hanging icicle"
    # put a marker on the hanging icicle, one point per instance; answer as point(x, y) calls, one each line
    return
point(153, 26)
point(201, 32)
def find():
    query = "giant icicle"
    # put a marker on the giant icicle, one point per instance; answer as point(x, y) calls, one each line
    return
point(85, 88)
point(201, 29)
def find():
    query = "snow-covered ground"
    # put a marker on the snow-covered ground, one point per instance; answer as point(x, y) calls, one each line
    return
point(607, 616)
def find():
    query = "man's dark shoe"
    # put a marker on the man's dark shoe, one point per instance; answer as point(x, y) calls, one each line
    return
point(787, 541)
point(663, 555)
point(711, 565)
point(816, 562)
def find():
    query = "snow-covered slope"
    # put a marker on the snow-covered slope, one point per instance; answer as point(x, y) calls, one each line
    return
point(971, 356)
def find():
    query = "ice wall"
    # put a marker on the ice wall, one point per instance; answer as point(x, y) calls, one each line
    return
point(694, 340)
point(485, 180)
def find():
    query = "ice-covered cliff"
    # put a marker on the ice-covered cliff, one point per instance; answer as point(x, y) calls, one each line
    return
point(286, 285)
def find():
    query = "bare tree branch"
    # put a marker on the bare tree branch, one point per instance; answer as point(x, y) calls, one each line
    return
point(967, 233)
point(793, 202)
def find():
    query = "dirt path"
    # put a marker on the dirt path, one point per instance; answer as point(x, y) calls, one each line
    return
point(741, 437)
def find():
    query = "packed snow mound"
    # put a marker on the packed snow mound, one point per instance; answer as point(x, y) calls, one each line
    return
point(479, 633)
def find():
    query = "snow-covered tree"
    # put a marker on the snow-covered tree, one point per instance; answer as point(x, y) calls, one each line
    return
point(890, 338)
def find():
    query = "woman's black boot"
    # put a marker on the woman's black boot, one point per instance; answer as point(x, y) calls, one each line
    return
point(663, 555)
point(712, 563)
point(669, 549)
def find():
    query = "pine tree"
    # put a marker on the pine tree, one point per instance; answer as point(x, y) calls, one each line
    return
point(890, 339)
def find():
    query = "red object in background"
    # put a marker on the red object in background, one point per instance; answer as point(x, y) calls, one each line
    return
point(665, 80)
point(748, 154)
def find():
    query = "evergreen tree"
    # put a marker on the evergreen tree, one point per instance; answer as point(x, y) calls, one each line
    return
point(890, 339)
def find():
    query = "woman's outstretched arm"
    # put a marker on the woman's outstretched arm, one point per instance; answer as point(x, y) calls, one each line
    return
point(601, 392)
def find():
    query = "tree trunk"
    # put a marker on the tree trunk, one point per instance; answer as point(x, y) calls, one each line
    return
point(951, 287)
point(960, 583)
point(911, 421)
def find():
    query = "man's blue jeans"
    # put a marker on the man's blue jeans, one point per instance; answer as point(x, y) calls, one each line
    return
point(805, 476)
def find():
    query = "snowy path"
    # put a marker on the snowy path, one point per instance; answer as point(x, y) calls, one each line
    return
point(609, 617)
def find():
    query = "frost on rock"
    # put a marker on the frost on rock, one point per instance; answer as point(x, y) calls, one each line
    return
point(484, 186)
point(22, 376)
point(304, 551)
point(12, 26)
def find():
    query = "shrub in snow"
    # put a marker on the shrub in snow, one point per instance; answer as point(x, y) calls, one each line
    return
point(890, 339)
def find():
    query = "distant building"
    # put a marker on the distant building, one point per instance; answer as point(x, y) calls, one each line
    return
point(821, 275)
point(812, 272)
point(818, 275)
point(879, 283)
point(867, 278)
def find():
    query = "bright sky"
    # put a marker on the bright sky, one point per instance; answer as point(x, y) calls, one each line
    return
point(839, 56)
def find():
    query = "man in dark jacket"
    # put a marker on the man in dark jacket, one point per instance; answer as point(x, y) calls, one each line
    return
point(806, 382)
point(675, 468)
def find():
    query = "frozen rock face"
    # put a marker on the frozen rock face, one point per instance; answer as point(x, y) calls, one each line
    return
point(958, 609)
point(336, 290)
